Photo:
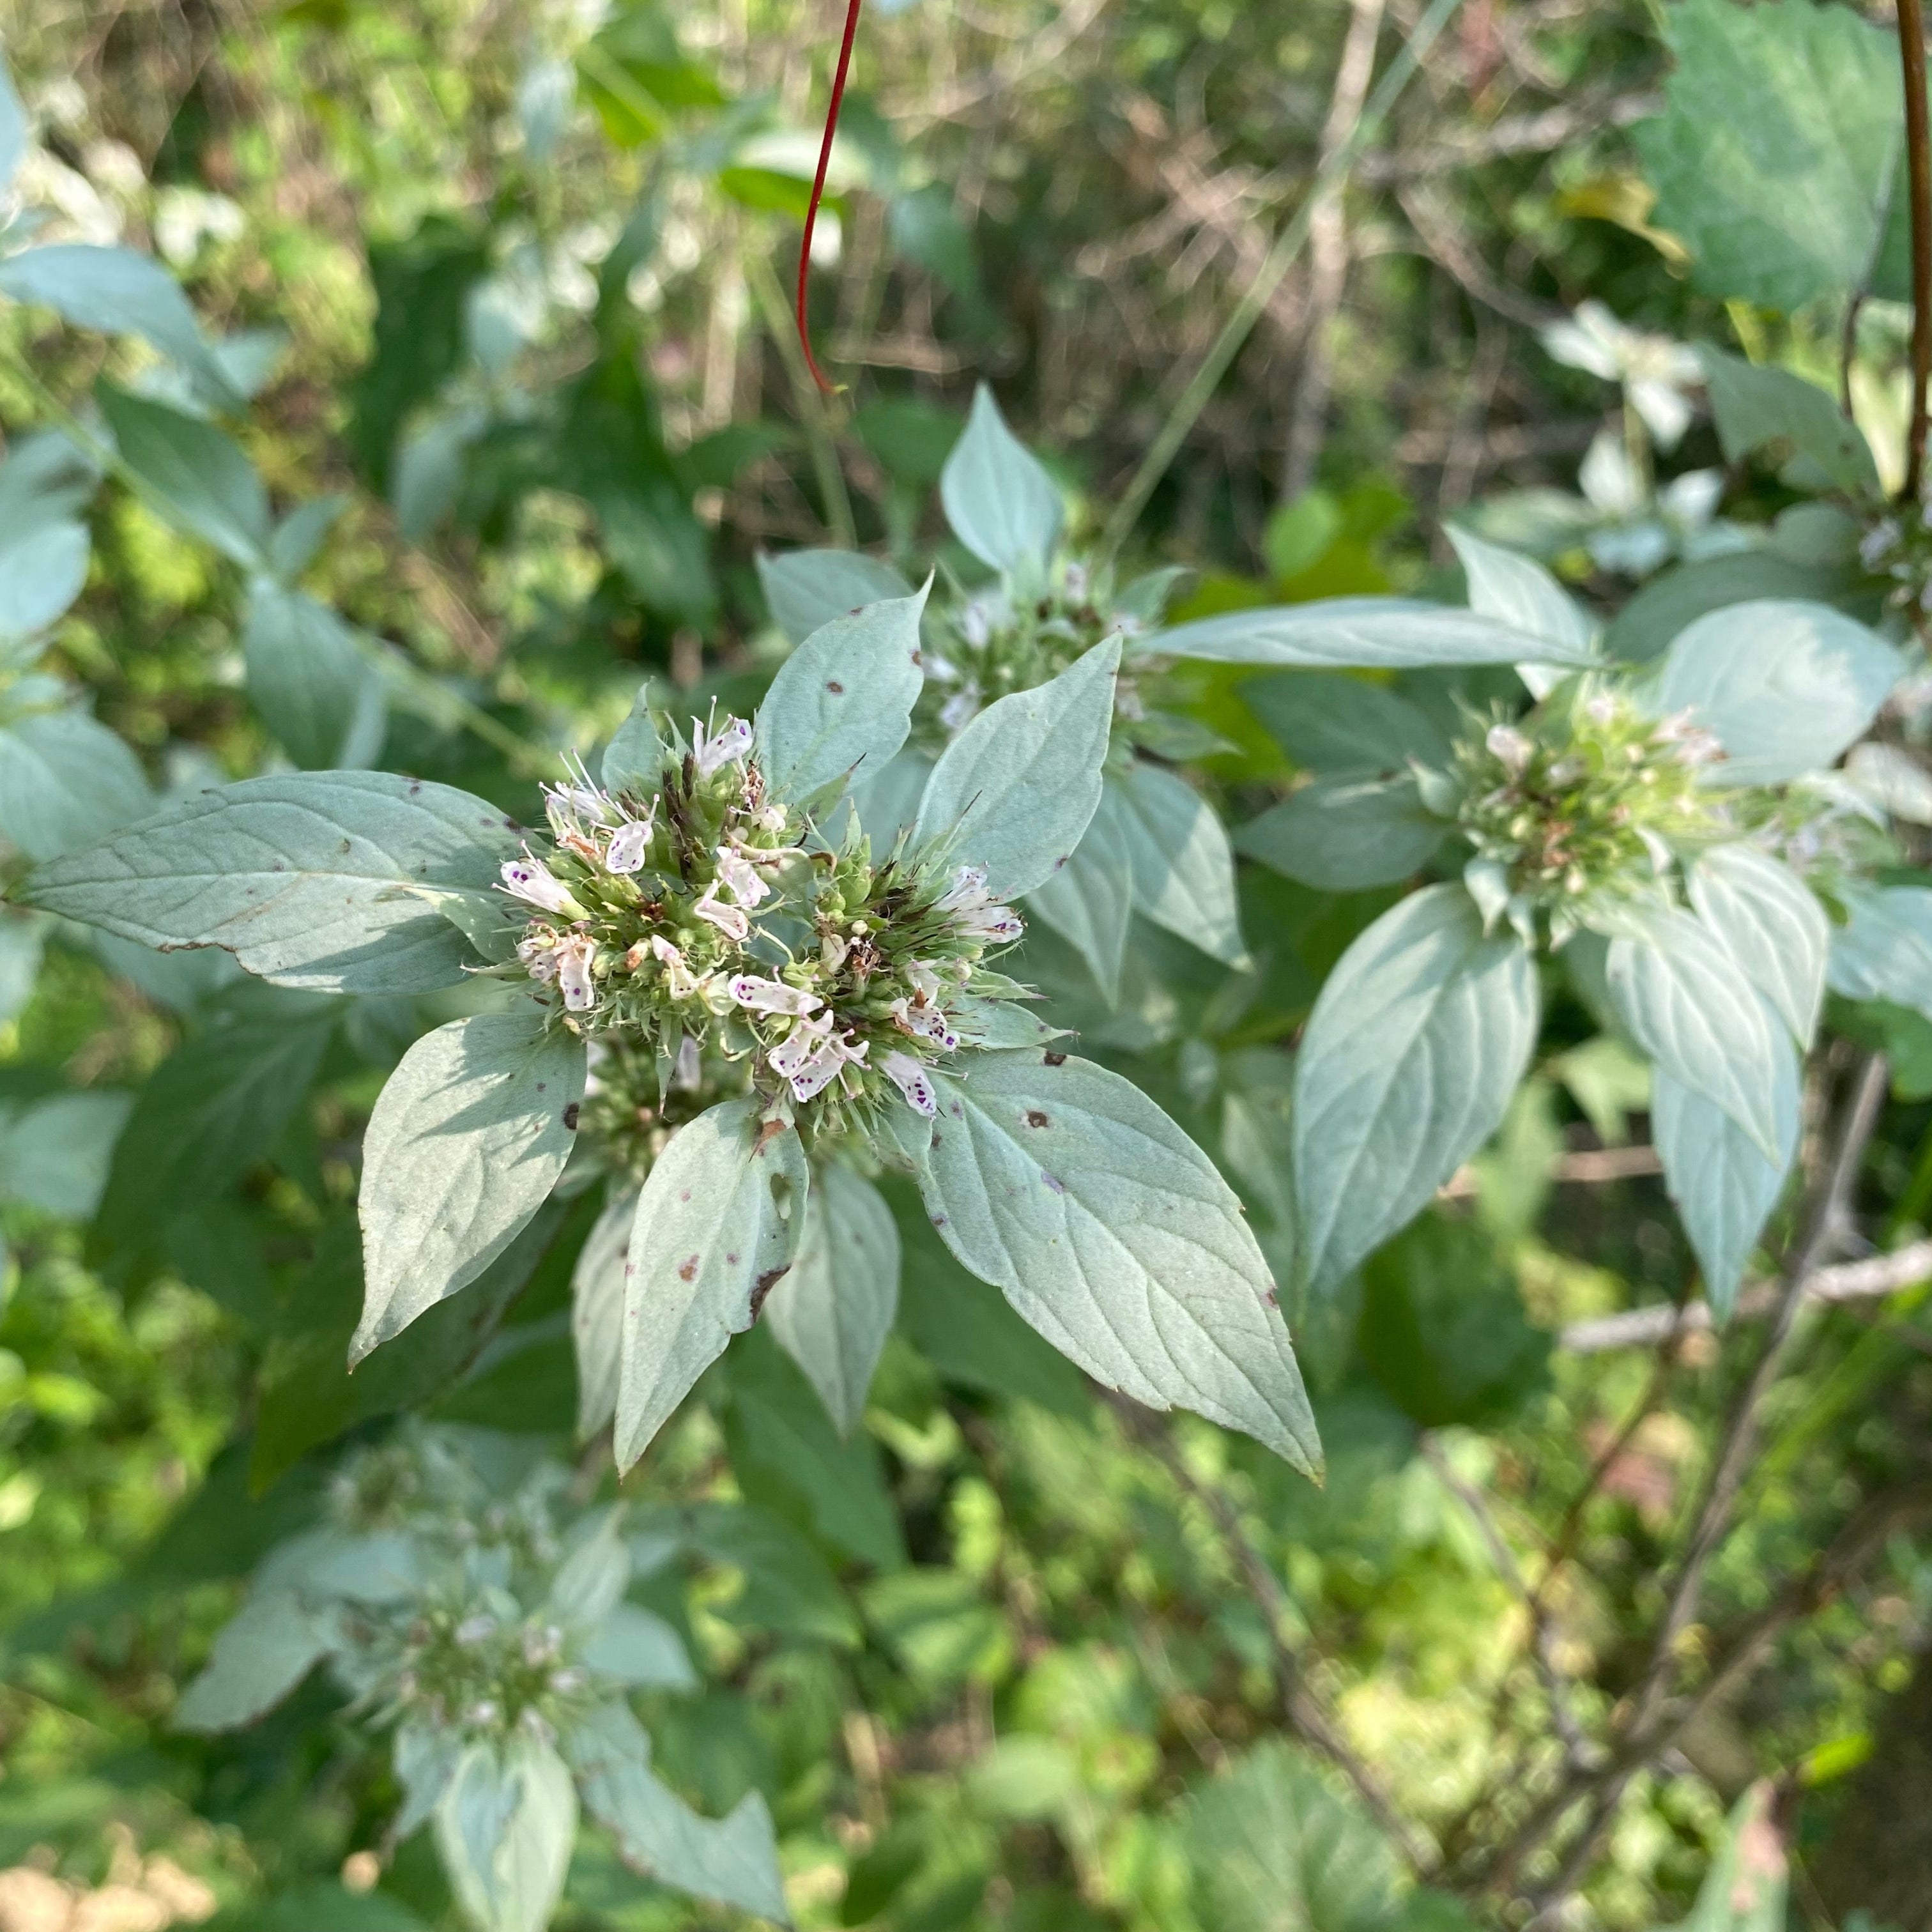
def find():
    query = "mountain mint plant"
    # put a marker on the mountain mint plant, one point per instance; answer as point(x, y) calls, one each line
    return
point(1675, 835)
point(707, 915)
point(470, 1615)
point(1154, 845)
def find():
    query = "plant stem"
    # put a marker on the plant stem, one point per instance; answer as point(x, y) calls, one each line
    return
point(806, 395)
point(1918, 182)
point(1328, 179)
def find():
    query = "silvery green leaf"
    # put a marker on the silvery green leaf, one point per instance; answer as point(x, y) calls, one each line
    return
point(1000, 1024)
point(843, 701)
point(634, 758)
point(371, 1567)
point(65, 781)
point(42, 571)
point(261, 1653)
point(467, 1139)
point(904, 1136)
point(1421, 1035)
point(1679, 995)
point(1015, 791)
point(1723, 1186)
point(1520, 591)
point(591, 1580)
point(1771, 925)
point(1785, 685)
point(1114, 1236)
point(1329, 721)
point(55, 1153)
point(47, 477)
point(1893, 780)
point(426, 475)
point(118, 292)
point(1758, 406)
point(425, 1758)
point(23, 937)
point(1885, 951)
point(1362, 633)
point(1000, 503)
point(637, 1648)
point(299, 875)
point(734, 1860)
point(887, 800)
point(315, 691)
point(1344, 835)
point(195, 476)
point(297, 537)
point(1089, 901)
point(505, 1827)
point(597, 1311)
point(1183, 871)
point(718, 1222)
point(808, 588)
point(832, 1312)
point(13, 128)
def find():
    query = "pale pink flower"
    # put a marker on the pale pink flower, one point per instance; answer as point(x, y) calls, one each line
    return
point(773, 996)
point(712, 749)
point(573, 972)
point(799, 1045)
point(730, 920)
point(628, 844)
point(678, 975)
point(911, 1078)
point(531, 880)
point(736, 873)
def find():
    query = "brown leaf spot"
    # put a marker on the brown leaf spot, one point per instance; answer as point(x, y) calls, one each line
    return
point(1035, 1118)
point(1054, 1059)
point(570, 1114)
point(837, 689)
point(687, 1269)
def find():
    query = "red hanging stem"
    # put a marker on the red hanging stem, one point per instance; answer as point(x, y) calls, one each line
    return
point(818, 187)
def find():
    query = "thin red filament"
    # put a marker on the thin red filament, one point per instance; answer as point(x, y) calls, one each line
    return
point(818, 187)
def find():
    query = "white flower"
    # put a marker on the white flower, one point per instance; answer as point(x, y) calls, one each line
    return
point(910, 1077)
point(773, 996)
point(799, 1045)
point(974, 910)
point(628, 844)
point(925, 980)
point(728, 919)
point(1655, 372)
point(678, 975)
point(960, 710)
point(714, 749)
point(737, 874)
point(689, 1073)
point(531, 880)
point(538, 954)
point(573, 972)
point(929, 1022)
point(1510, 749)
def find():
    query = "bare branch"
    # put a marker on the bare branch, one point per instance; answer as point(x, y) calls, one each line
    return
point(1863, 1280)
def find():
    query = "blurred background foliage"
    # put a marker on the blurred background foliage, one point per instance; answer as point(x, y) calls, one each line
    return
point(512, 281)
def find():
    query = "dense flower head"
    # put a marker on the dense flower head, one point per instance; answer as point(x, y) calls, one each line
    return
point(472, 1661)
point(997, 641)
point(1587, 797)
point(635, 1100)
point(706, 927)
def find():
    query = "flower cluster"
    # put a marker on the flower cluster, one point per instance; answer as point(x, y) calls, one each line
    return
point(1587, 798)
point(996, 641)
point(705, 932)
point(633, 1101)
point(1899, 546)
